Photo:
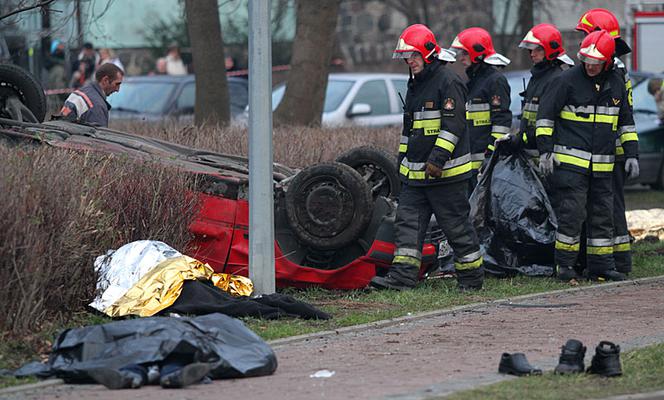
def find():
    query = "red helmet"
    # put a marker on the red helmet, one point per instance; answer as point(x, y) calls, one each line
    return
point(599, 18)
point(416, 38)
point(597, 48)
point(479, 46)
point(548, 37)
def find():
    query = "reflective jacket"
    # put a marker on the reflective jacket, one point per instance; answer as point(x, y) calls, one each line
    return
point(581, 119)
point(434, 128)
point(542, 74)
point(488, 114)
point(627, 143)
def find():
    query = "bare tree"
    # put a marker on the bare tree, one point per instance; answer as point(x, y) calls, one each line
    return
point(312, 48)
point(207, 47)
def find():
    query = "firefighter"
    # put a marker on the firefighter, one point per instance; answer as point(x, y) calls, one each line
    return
point(434, 165)
point(575, 132)
point(545, 44)
point(488, 116)
point(627, 144)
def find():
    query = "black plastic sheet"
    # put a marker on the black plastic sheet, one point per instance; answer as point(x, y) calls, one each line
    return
point(513, 217)
point(233, 350)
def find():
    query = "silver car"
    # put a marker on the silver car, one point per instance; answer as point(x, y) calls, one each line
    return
point(359, 99)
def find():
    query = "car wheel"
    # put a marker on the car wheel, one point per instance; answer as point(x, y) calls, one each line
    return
point(328, 205)
point(18, 84)
point(377, 167)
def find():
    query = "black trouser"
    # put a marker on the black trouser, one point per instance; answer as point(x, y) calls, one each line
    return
point(449, 203)
point(578, 198)
point(622, 252)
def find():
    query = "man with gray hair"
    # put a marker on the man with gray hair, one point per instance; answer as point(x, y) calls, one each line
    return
point(88, 104)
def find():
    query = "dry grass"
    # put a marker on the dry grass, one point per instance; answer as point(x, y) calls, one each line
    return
point(62, 209)
point(293, 146)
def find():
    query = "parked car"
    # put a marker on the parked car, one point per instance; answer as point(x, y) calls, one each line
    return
point(651, 136)
point(158, 97)
point(358, 99)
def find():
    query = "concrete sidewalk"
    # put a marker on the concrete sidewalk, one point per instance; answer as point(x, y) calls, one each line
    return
point(433, 355)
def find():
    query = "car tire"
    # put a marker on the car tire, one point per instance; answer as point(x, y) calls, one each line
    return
point(328, 205)
point(15, 81)
point(377, 167)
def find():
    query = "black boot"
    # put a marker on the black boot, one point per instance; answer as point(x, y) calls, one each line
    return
point(470, 279)
point(566, 274)
point(116, 379)
point(516, 364)
point(609, 275)
point(185, 376)
point(606, 361)
point(400, 277)
point(571, 358)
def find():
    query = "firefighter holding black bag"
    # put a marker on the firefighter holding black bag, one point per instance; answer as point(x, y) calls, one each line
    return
point(576, 129)
point(434, 165)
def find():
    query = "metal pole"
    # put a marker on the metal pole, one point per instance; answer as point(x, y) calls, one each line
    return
point(261, 197)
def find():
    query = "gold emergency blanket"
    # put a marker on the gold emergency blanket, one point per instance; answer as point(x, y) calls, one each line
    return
point(159, 288)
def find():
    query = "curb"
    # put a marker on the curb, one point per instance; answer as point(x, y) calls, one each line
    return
point(398, 320)
point(467, 307)
point(640, 396)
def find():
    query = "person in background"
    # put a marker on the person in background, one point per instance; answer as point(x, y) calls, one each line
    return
point(655, 89)
point(84, 66)
point(108, 56)
point(55, 64)
point(174, 63)
point(88, 104)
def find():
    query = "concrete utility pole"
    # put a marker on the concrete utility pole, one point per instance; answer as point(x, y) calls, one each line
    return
point(261, 196)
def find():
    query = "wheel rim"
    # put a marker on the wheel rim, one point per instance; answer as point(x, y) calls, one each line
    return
point(324, 207)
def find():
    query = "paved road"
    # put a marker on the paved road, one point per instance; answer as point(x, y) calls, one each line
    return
point(430, 356)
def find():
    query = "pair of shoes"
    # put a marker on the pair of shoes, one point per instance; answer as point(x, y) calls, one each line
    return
point(389, 282)
point(571, 358)
point(566, 274)
point(605, 362)
point(185, 376)
point(116, 379)
point(516, 364)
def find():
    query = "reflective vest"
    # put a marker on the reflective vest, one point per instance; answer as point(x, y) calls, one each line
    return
point(581, 119)
point(434, 128)
point(488, 114)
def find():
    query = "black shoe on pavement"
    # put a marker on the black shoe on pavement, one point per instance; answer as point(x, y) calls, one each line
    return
point(516, 364)
point(571, 358)
point(389, 282)
point(606, 361)
point(115, 379)
point(185, 376)
point(566, 274)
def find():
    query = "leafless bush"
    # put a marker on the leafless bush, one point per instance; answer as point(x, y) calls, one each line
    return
point(293, 146)
point(62, 209)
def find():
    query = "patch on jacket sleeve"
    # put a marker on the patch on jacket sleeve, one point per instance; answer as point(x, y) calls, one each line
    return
point(449, 104)
point(495, 100)
point(428, 104)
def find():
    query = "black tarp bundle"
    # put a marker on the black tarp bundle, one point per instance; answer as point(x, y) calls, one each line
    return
point(513, 217)
point(233, 350)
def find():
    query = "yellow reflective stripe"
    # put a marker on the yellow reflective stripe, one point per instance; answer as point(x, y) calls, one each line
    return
point(602, 118)
point(567, 159)
point(430, 126)
point(497, 135)
point(543, 131)
point(458, 170)
point(599, 251)
point(529, 115)
point(602, 167)
point(629, 136)
point(403, 148)
point(620, 151)
point(525, 137)
point(460, 266)
point(408, 260)
point(479, 118)
point(445, 144)
point(621, 247)
point(491, 147)
point(567, 247)
point(476, 164)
